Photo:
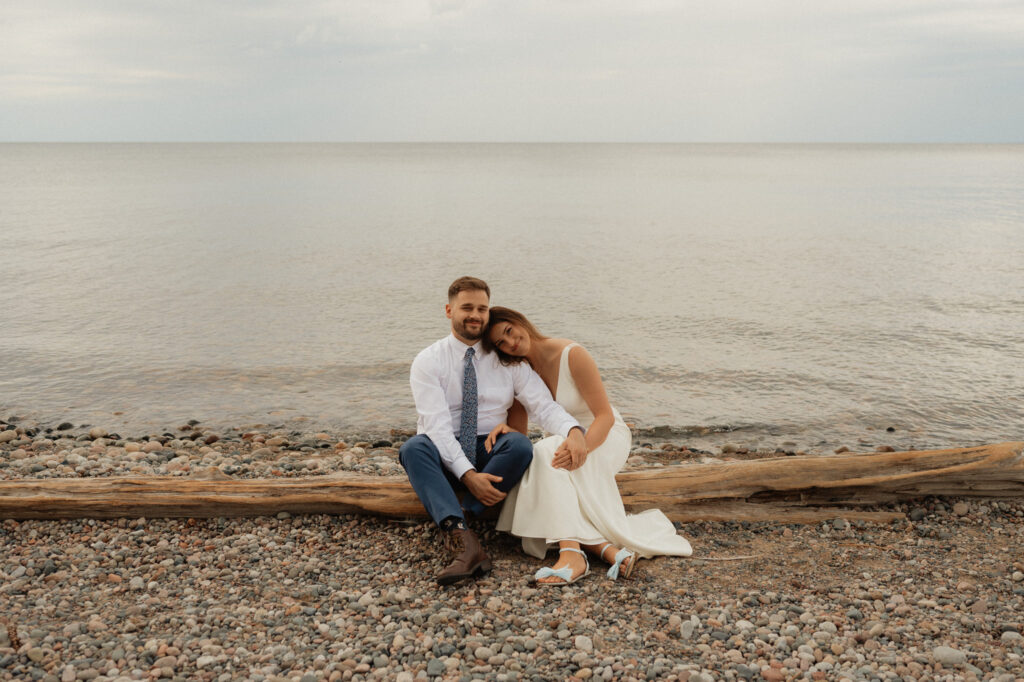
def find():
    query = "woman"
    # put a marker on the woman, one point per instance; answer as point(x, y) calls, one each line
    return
point(574, 504)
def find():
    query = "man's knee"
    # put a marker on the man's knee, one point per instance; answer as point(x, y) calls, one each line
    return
point(418, 446)
point(518, 446)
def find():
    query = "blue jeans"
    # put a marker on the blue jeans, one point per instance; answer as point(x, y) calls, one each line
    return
point(436, 486)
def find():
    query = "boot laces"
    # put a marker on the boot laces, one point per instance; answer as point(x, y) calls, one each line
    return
point(454, 543)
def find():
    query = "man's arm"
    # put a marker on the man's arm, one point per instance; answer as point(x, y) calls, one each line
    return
point(535, 395)
point(435, 417)
point(536, 398)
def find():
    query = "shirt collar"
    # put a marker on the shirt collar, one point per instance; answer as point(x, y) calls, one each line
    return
point(459, 346)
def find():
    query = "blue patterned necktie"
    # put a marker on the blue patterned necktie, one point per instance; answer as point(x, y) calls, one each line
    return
point(467, 432)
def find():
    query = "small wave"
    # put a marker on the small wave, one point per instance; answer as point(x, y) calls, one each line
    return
point(673, 432)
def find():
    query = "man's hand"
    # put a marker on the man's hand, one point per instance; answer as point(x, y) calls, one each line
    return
point(493, 436)
point(572, 453)
point(479, 484)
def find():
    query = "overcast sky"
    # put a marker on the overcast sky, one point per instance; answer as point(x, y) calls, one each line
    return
point(509, 70)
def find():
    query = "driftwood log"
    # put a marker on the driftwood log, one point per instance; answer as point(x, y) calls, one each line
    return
point(787, 489)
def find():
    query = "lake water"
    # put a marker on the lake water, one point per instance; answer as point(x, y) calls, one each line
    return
point(809, 295)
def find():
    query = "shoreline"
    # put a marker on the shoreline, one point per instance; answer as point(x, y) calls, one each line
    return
point(25, 453)
point(33, 450)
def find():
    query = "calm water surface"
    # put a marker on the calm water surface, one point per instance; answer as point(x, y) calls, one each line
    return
point(806, 294)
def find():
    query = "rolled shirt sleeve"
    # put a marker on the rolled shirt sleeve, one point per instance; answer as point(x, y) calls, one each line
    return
point(536, 398)
point(435, 419)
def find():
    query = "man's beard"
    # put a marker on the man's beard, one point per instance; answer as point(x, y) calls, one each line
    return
point(465, 333)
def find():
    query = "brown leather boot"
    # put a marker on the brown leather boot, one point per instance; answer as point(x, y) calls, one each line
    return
point(470, 557)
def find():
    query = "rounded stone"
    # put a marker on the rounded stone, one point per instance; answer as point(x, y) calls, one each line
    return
point(948, 656)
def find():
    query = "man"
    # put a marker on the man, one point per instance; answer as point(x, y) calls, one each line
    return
point(461, 394)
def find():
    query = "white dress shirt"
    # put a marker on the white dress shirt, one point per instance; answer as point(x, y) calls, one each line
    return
point(436, 380)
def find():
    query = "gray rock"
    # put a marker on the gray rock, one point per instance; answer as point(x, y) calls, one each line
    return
point(1011, 637)
point(948, 656)
point(584, 643)
point(435, 667)
point(205, 661)
point(747, 672)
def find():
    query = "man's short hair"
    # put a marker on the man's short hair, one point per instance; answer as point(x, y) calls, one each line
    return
point(468, 284)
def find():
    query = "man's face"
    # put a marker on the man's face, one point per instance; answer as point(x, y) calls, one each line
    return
point(468, 313)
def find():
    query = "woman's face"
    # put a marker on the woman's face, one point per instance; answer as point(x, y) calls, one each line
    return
point(510, 338)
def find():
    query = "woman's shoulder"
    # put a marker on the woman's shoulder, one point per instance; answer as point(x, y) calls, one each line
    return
point(557, 348)
point(578, 355)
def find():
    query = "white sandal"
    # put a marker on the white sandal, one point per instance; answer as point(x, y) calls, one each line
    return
point(620, 556)
point(565, 573)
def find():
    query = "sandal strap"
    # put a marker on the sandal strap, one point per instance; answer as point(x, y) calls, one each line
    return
point(622, 555)
point(564, 573)
point(580, 552)
point(600, 552)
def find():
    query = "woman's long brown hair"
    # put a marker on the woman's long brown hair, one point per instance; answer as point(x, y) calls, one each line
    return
point(501, 315)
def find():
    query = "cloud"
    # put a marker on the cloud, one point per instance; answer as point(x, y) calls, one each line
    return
point(493, 70)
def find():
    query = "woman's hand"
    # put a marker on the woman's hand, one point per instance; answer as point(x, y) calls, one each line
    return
point(493, 435)
point(572, 453)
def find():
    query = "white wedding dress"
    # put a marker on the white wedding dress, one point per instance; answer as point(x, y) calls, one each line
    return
point(583, 505)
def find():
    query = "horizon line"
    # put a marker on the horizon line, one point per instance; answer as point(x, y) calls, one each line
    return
point(522, 142)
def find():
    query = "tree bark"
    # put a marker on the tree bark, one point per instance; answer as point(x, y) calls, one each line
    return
point(787, 489)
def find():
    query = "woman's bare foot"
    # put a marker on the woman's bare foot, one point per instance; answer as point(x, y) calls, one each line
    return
point(574, 561)
point(607, 552)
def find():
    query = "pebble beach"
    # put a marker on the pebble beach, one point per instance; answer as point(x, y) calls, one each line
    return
point(938, 595)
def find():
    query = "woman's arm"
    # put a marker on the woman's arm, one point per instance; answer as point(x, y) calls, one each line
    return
point(588, 381)
point(517, 418)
